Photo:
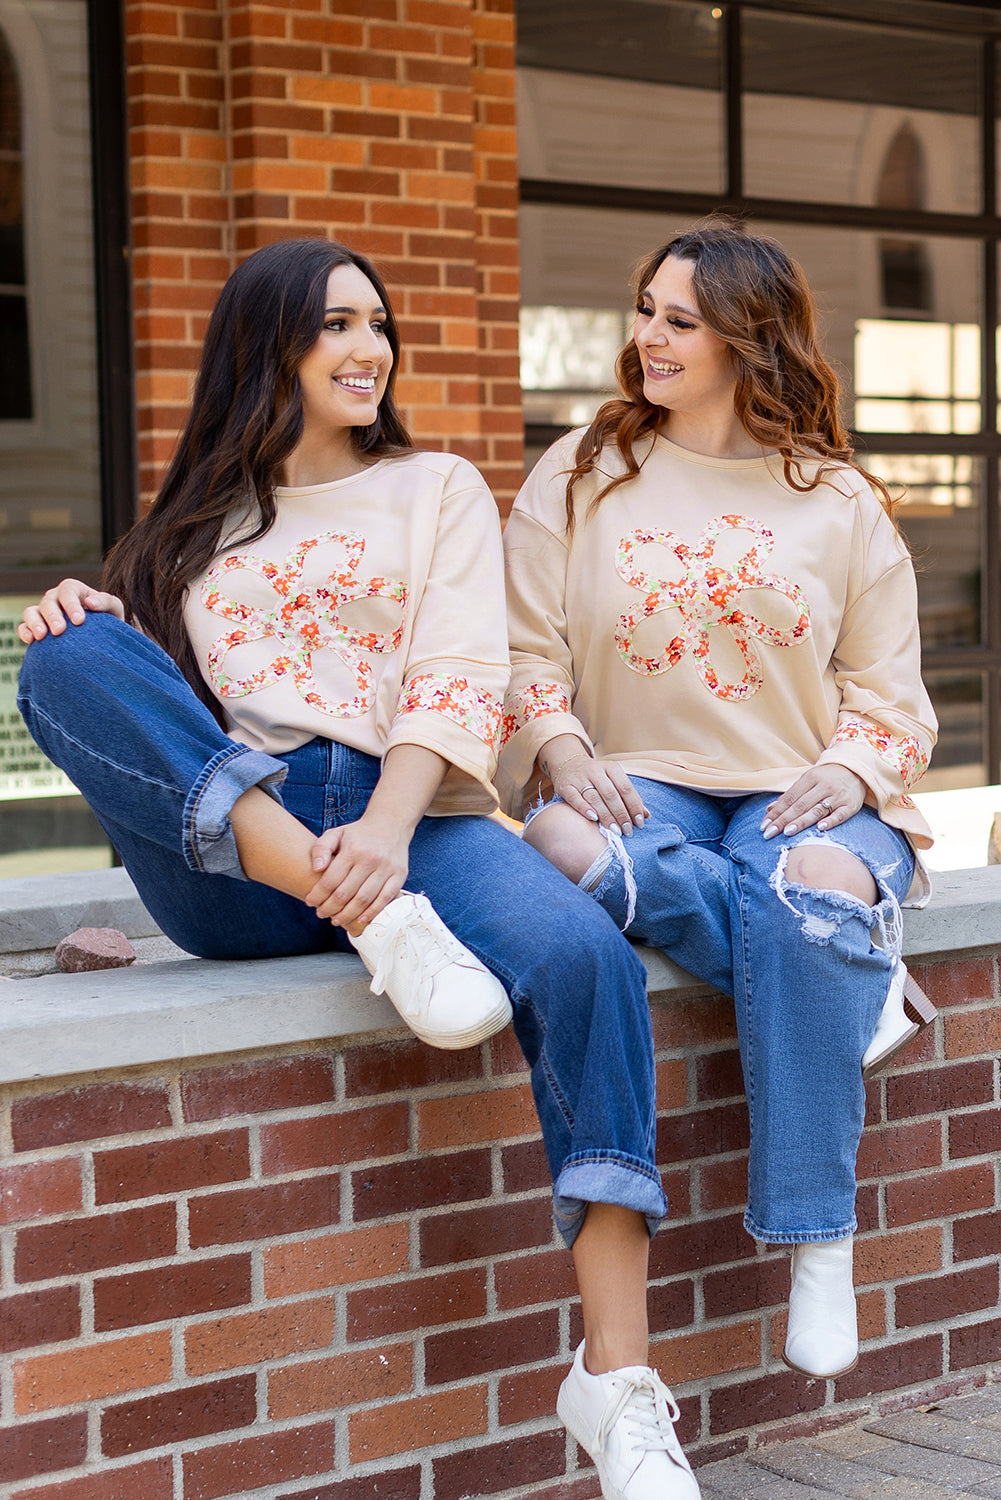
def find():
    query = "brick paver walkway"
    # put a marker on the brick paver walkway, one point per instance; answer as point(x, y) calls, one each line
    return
point(938, 1452)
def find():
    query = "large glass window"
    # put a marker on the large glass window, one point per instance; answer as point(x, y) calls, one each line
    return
point(840, 113)
point(15, 355)
point(52, 500)
point(50, 488)
point(623, 92)
point(852, 130)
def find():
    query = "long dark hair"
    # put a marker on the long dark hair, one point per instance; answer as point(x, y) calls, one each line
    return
point(754, 296)
point(246, 418)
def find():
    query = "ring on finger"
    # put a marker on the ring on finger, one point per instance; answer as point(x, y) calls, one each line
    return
point(589, 788)
point(827, 806)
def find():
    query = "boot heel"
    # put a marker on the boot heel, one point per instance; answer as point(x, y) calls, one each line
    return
point(917, 1005)
point(906, 1013)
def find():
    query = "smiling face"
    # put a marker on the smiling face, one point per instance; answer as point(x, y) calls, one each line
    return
point(344, 375)
point(686, 367)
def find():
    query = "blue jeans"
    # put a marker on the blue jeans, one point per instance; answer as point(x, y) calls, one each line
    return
point(112, 709)
point(808, 969)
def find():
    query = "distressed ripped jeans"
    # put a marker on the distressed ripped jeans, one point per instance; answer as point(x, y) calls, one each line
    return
point(808, 969)
point(110, 708)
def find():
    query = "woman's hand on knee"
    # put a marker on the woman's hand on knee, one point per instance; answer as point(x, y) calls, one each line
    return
point(70, 601)
point(601, 791)
point(825, 796)
point(361, 867)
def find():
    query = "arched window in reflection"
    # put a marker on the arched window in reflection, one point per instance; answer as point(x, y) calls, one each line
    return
point(15, 361)
point(906, 281)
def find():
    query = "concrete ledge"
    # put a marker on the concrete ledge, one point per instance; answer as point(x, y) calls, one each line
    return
point(39, 911)
point(55, 1025)
point(62, 1024)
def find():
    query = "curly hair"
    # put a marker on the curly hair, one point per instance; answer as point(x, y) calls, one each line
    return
point(754, 297)
point(246, 418)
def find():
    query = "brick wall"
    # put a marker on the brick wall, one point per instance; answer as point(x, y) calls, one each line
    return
point(333, 1275)
point(386, 123)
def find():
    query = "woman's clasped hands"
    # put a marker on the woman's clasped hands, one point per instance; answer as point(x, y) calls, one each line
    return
point(360, 868)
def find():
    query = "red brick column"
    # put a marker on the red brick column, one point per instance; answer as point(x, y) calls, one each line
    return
point(386, 123)
point(178, 173)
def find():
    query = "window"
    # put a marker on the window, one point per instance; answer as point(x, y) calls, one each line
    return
point(857, 132)
point(15, 357)
point(66, 441)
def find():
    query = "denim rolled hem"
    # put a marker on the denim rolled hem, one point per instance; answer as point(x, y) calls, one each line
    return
point(207, 840)
point(606, 1177)
point(798, 1236)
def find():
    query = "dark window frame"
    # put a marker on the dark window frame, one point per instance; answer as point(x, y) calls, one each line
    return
point(113, 292)
point(951, 17)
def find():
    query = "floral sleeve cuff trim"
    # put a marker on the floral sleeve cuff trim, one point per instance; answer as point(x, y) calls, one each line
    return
point(532, 702)
point(903, 752)
point(440, 693)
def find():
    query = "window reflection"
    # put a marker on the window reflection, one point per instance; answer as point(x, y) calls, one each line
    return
point(844, 113)
point(49, 460)
point(15, 364)
point(631, 98)
point(900, 374)
point(958, 759)
point(940, 517)
point(568, 358)
point(916, 377)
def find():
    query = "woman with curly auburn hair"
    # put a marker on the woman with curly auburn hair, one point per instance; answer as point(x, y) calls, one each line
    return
point(716, 678)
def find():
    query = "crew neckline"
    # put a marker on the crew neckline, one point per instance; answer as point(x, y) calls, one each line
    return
point(288, 490)
point(707, 461)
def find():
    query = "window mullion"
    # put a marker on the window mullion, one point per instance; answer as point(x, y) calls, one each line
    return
point(733, 103)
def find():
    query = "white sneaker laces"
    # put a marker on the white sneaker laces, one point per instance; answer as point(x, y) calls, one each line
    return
point(650, 1410)
point(423, 949)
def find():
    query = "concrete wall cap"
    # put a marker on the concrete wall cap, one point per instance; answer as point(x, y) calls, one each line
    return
point(58, 1025)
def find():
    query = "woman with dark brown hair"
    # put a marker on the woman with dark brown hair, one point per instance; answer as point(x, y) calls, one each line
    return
point(716, 675)
point(293, 753)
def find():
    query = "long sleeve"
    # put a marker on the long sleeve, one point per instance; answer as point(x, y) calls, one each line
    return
point(539, 703)
point(886, 726)
point(457, 663)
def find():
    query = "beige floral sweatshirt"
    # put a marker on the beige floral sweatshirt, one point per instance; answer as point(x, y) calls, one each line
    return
point(711, 627)
point(371, 613)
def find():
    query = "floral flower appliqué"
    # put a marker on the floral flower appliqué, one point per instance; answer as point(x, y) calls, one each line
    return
point(532, 702)
point(303, 622)
point(707, 595)
point(902, 751)
point(467, 706)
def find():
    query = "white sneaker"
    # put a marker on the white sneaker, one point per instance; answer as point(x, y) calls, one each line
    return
point(822, 1337)
point(625, 1420)
point(906, 1011)
point(440, 989)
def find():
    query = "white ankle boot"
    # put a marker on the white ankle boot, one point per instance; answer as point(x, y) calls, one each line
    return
point(822, 1337)
point(906, 1011)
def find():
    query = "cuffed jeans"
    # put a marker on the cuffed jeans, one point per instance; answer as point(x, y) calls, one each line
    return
point(113, 711)
point(808, 969)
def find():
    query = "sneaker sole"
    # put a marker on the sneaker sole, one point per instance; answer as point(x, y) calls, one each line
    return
point(454, 1041)
point(576, 1424)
